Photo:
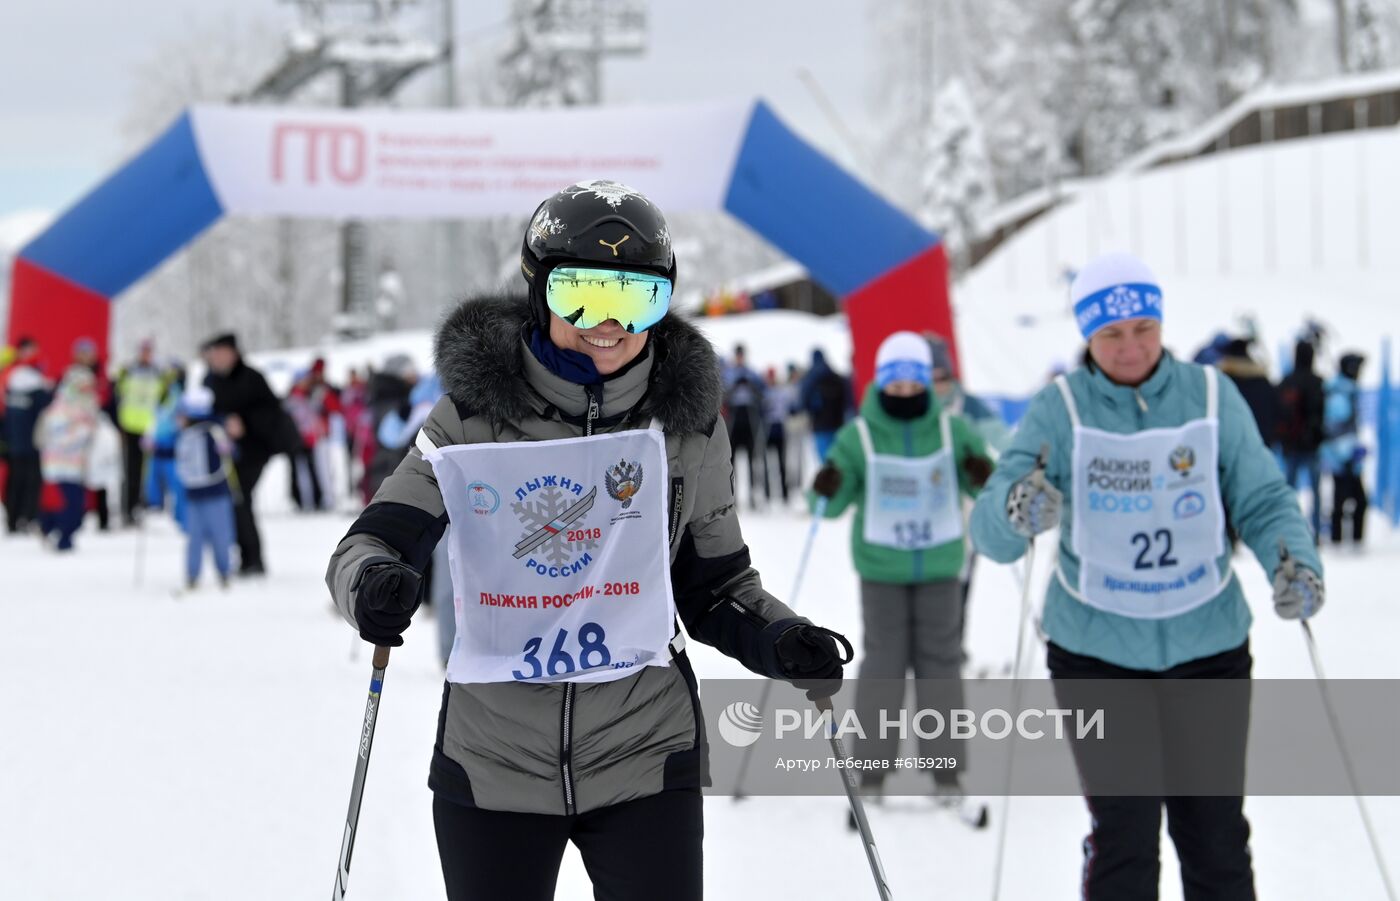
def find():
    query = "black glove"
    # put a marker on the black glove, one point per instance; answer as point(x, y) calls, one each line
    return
point(386, 594)
point(978, 469)
point(811, 660)
point(827, 482)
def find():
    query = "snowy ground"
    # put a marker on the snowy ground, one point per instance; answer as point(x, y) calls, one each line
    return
point(201, 748)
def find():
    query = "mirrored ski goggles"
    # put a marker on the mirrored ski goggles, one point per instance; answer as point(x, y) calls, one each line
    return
point(586, 297)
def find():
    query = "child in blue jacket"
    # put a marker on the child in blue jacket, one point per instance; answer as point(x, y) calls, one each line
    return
point(203, 453)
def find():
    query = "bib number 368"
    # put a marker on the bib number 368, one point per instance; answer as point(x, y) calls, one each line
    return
point(593, 653)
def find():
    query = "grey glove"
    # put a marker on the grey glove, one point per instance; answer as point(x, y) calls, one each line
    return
point(1033, 505)
point(1298, 591)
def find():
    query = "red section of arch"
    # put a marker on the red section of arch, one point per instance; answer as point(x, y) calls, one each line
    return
point(55, 312)
point(911, 297)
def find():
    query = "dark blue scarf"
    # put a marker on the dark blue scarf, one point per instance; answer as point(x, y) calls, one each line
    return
point(569, 365)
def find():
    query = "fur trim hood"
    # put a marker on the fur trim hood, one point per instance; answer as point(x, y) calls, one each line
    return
point(479, 355)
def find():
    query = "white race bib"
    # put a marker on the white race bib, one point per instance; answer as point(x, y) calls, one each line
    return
point(1149, 524)
point(559, 557)
point(911, 503)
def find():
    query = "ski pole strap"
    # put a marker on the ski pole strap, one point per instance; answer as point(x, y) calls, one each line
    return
point(842, 644)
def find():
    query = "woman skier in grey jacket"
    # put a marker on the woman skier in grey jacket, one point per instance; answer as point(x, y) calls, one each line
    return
point(580, 459)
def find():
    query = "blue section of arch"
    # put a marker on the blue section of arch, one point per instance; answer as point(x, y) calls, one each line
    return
point(798, 199)
point(126, 226)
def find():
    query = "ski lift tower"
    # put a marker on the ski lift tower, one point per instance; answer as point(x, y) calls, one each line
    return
point(594, 29)
point(366, 44)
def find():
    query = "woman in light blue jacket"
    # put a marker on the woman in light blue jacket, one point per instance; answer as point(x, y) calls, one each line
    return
point(1151, 467)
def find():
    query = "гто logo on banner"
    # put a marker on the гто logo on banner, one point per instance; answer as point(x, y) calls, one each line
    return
point(341, 151)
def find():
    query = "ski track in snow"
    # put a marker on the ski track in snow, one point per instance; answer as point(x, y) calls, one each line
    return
point(203, 747)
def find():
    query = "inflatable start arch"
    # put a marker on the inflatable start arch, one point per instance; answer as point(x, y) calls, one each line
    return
point(215, 161)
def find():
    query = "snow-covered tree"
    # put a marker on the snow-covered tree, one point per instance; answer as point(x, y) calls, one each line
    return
point(237, 275)
point(957, 188)
point(1364, 34)
point(1072, 87)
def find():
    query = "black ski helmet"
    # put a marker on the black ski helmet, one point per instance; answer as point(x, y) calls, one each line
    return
point(598, 223)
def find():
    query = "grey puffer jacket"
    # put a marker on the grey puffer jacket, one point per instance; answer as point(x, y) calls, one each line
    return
point(569, 748)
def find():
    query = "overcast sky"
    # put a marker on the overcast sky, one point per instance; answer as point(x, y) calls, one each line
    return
point(66, 71)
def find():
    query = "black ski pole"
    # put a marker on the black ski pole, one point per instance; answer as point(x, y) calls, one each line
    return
point(792, 602)
point(848, 781)
point(357, 790)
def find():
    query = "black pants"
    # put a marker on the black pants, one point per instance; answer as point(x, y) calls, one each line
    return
point(304, 470)
point(635, 851)
point(248, 468)
point(744, 425)
point(22, 491)
point(1211, 834)
point(777, 442)
point(1346, 486)
point(133, 462)
point(100, 504)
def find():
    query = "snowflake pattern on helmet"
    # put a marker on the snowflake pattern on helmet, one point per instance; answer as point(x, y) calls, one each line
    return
point(1124, 302)
point(663, 237)
point(611, 192)
point(543, 226)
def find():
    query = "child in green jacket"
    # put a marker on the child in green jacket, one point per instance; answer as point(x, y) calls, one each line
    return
point(906, 464)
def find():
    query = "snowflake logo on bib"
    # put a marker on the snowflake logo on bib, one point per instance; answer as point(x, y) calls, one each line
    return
point(553, 541)
point(623, 481)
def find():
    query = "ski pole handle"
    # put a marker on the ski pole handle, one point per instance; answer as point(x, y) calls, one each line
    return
point(1285, 561)
point(381, 657)
point(1041, 460)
